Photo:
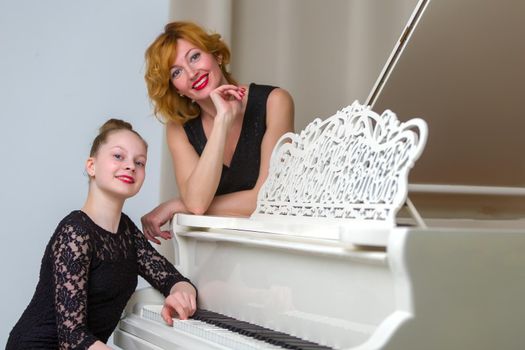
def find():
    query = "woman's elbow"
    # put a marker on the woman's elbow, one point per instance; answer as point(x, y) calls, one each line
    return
point(197, 208)
point(194, 204)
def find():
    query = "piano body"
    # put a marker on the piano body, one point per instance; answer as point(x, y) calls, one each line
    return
point(353, 277)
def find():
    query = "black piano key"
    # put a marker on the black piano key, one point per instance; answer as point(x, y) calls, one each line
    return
point(270, 336)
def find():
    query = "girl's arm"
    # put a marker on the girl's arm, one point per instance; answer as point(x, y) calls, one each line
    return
point(181, 301)
point(98, 345)
point(181, 295)
point(71, 257)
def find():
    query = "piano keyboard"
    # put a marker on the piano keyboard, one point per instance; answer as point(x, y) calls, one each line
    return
point(231, 333)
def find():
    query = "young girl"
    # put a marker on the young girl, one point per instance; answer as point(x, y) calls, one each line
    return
point(90, 266)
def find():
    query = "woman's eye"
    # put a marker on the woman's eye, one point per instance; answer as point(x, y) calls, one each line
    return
point(176, 73)
point(195, 56)
point(140, 164)
point(118, 156)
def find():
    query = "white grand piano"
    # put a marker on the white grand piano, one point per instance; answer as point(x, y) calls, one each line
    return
point(341, 253)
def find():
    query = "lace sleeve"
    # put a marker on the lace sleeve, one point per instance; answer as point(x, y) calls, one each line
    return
point(154, 267)
point(71, 257)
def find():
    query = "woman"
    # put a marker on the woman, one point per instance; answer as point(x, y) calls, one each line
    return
point(220, 134)
point(90, 266)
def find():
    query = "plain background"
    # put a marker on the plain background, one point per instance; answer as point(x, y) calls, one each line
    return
point(65, 67)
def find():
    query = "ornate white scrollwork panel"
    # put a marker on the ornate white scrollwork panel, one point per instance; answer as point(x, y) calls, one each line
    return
point(353, 165)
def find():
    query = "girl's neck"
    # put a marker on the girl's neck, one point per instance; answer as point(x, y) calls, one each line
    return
point(103, 210)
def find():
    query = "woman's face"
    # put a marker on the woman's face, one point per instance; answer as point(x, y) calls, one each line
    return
point(195, 73)
point(119, 167)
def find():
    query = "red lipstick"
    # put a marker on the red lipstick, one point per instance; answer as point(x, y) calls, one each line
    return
point(201, 83)
point(127, 179)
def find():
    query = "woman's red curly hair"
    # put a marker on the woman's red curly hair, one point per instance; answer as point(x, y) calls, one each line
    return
point(168, 105)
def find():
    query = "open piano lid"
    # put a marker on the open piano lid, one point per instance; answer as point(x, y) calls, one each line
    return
point(460, 66)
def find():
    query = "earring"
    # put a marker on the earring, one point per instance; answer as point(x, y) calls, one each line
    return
point(181, 95)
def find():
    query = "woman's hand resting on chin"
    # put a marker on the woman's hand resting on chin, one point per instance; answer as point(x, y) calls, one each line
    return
point(227, 100)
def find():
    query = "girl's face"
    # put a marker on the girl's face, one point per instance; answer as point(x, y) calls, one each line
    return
point(195, 73)
point(119, 167)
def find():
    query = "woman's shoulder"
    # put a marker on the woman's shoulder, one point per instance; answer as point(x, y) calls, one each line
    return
point(261, 89)
point(280, 100)
point(275, 94)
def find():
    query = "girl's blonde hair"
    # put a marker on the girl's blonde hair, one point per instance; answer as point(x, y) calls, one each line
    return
point(168, 104)
point(106, 129)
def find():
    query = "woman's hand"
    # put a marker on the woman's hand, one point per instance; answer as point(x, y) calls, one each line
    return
point(228, 101)
point(181, 301)
point(155, 219)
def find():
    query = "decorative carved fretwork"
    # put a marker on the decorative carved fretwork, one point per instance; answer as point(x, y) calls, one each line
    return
point(352, 166)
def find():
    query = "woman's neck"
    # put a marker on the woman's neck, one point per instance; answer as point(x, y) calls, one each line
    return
point(103, 210)
point(208, 109)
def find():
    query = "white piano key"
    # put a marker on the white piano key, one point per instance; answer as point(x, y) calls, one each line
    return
point(207, 332)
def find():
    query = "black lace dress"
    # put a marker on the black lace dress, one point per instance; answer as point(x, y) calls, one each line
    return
point(86, 278)
point(243, 171)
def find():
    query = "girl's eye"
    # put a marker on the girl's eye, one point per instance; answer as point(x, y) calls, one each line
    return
point(176, 73)
point(118, 156)
point(140, 164)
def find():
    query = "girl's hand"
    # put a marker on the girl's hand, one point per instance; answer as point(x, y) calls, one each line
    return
point(181, 301)
point(228, 101)
point(155, 219)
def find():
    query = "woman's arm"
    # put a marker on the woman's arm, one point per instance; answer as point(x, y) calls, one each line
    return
point(155, 219)
point(189, 169)
point(198, 177)
point(279, 120)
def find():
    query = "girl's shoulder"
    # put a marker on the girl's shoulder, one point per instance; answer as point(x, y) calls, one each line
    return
point(74, 232)
point(128, 224)
point(76, 223)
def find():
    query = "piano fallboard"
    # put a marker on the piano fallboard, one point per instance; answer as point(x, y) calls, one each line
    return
point(279, 282)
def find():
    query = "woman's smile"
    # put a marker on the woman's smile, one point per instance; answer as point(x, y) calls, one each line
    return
point(201, 83)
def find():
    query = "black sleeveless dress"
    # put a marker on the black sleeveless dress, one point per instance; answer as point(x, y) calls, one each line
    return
point(243, 171)
point(86, 278)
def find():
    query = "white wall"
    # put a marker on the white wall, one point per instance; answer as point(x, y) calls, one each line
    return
point(325, 53)
point(65, 67)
